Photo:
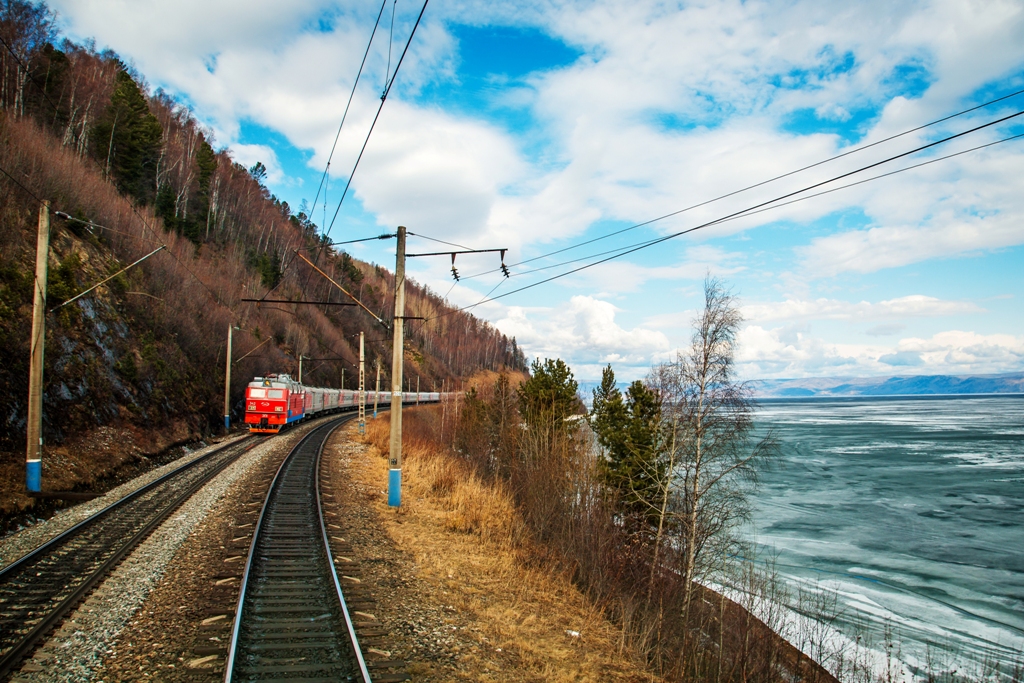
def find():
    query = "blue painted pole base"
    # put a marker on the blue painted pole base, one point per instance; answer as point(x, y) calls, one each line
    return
point(395, 488)
point(227, 422)
point(34, 475)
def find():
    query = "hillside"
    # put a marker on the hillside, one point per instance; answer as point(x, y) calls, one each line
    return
point(141, 360)
point(914, 385)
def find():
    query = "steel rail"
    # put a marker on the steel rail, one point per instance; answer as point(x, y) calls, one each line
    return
point(323, 433)
point(42, 549)
point(47, 622)
point(334, 570)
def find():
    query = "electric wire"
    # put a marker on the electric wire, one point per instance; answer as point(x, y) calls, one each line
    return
point(337, 136)
point(391, 43)
point(758, 184)
point(754, 209)
point(19, 184)
point(749, 210)
point(348, 104)
point(779, 205)
point(383, 99)
point(434, 239)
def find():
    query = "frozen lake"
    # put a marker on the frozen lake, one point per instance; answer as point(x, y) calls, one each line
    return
point(912, 510)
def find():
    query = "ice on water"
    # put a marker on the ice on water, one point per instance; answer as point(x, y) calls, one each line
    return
point(912, 510)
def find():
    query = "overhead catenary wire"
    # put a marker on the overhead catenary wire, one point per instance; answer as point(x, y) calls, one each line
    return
point(348, 105)
point(434, 239)
point(19, 184)
point(780, 205)
point(325, 234)
point(758, 184)
point(383, 99)
point(747, 211)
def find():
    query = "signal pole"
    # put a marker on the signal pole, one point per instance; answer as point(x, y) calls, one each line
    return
point(397, 358)
point(362, 386)
point(376, 393)
point(34, 428)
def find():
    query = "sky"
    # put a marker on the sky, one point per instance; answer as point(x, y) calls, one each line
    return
point(536, 127)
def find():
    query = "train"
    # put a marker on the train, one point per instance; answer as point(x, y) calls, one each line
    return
point(276, 401)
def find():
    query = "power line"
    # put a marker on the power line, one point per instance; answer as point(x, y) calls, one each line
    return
point(433, 239)
point(779, 205)
point(383, 99)
point(748, 211)
point(753, 210)
point(758, 184)
point(213, 294)
point(107, 279)
point(385, 236)
point(348, 104)
point(19, 184)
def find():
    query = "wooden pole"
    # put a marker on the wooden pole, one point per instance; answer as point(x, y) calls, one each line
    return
point(227, 384)
point(34, 428)
point(397, 358)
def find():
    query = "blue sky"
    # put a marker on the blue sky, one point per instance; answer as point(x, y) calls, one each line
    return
point(538, 126)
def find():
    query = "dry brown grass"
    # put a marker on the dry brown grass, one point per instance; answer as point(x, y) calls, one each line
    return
point(469, 539)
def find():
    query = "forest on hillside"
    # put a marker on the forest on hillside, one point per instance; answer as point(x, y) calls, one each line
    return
point(126, 170)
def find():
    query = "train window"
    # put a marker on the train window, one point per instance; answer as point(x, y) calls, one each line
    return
point(276, 393)
point(257, 393)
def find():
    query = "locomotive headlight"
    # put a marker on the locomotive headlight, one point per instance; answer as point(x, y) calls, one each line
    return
point(252, 406)
point(278, 408)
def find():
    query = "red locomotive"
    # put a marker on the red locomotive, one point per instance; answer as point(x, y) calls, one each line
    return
point(276, 401)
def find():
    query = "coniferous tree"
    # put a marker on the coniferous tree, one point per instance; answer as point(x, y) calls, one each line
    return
point(629, 431)
point(126, 141)
point(549, 395)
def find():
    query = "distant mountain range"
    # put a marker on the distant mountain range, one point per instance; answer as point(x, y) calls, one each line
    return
point(899, 385)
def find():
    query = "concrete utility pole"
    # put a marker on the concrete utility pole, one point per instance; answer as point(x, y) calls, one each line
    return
point(362, 386)
point(397, 358)
point(343, 378)
point(34, 449)
point(300, 371)
point(227, 383)
point(376, 392)
point(417, 390)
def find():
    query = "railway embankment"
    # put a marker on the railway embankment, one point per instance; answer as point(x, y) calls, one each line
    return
point(458, 594)
point(511, 602)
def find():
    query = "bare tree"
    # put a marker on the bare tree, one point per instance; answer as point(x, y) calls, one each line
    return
point(711, 455)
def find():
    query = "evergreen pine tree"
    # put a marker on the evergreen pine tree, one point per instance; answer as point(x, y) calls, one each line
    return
point(126, 140)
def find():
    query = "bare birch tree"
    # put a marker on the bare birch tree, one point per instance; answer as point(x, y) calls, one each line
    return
point(711, 457)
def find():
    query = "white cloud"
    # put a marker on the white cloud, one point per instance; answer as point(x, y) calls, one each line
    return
point(915, 305)
point(586, 335)
point(667, 107)
point(786, 352)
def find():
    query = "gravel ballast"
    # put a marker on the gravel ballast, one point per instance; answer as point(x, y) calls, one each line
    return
point(91, 634)
point(28, 539)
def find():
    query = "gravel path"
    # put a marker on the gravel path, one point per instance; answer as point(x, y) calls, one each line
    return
point(28, 539)
point(78, 648)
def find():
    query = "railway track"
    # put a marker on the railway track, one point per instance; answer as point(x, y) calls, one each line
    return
point(40, 589)
point(291, 622)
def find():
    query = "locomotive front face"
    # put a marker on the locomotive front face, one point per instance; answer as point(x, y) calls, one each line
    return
point(266, 408)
